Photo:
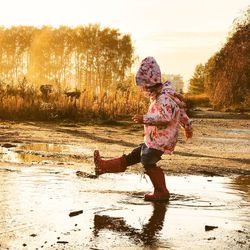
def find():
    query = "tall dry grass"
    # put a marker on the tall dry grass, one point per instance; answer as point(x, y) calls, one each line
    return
point(194, 101)
point(29, 103)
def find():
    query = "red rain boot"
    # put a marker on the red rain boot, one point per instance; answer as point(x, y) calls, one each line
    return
point(109, 166)
point(157, 178)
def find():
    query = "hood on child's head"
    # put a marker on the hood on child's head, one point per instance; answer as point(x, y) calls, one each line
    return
point(149, 73)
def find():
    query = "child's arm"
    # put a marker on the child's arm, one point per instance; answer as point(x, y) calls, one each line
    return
point(162, 113)
point(186, 123)
point(149, 120)
point(156, 119)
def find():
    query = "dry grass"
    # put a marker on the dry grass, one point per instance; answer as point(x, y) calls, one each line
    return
point(33, 105)
point(201, 100)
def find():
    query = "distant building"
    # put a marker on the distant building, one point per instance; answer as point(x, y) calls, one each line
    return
point(176, 80)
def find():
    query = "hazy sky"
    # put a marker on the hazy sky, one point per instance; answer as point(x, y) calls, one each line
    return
point(178, 33)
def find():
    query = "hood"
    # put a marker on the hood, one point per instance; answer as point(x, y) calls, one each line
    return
point(178, 98)
point(149, 73)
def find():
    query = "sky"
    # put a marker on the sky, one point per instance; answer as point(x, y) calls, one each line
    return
point(179, 33)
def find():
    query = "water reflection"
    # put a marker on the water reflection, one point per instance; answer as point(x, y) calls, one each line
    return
point(10, 156)
point(55, 148)
point(45, 147)
point(242, 184)
point(149, 233)
point(40, 152)
point(38, 201)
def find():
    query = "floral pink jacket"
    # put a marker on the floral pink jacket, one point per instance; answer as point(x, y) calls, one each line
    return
point(161, 123)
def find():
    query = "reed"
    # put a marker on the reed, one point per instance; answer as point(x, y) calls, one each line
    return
point(31, 103)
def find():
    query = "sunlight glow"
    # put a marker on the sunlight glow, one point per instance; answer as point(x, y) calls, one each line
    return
point(179, 33)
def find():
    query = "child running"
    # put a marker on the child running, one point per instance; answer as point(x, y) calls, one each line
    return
point(161, 124)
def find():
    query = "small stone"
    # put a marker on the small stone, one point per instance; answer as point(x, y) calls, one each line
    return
point(62, 242)
point(240, 231)
point(8, 145)
point(241, 242)
point(209, 228)
point(211, 238)
point(75, 213)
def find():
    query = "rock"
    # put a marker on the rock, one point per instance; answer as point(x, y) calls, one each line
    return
point(8, 145)
point(75, 213)
point(62, 242)
point(209, 228)
point(240, 231)
point(241, 242)
point(86, 175)
point(211, 238)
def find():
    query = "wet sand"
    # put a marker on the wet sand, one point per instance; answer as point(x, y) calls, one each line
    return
point(44, 205)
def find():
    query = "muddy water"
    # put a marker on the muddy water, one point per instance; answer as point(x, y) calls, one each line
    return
point(41, 152)
point(44, 205)
point(37, 204)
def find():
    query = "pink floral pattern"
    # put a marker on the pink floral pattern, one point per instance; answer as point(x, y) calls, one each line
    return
point(165, 114)
point(149, 73)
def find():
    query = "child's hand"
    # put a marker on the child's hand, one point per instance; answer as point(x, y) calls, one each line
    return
point(188, 134)
point(138, 118)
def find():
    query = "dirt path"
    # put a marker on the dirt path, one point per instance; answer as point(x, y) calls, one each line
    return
point(219, 146)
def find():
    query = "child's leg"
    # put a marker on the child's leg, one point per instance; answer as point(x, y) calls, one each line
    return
point(149, 159)
point(157, 178)
point(150, 156)
point(135, 156)
point(116, 165)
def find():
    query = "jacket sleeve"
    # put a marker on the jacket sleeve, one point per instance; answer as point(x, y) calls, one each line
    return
point(161, 115)
point(185, 121)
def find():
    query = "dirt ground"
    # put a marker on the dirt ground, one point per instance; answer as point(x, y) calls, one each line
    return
point(45, 205)
point(220, 145)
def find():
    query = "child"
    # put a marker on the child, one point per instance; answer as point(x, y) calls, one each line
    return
point(161, 123)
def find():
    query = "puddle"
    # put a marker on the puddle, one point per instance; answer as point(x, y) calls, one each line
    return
point(40, 152)
point(54, 148)
point(37, 205)
point(46, 147)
